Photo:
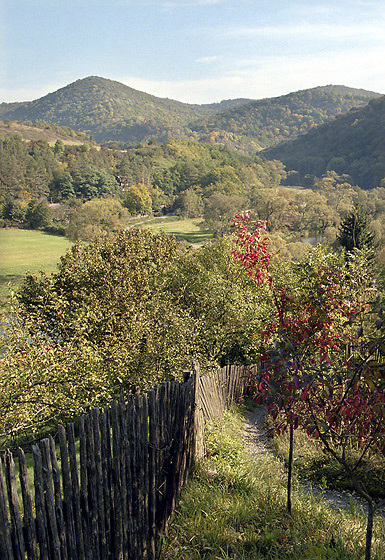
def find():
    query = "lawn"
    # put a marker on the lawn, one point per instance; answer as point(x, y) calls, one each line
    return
point(186, 229)
point(24, 251)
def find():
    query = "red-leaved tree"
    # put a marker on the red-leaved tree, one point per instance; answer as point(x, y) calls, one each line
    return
point(318, 370)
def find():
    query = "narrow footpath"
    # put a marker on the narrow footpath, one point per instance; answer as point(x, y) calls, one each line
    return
point(256, 439)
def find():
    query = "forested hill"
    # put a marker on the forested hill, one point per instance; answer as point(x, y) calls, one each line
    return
point(353, 144)
point(260, 124)
point(108, 110)
point(111, 111)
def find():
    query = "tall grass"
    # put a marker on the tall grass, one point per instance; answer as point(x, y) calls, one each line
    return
point(235, 508)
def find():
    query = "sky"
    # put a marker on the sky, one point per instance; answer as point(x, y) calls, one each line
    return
point(196, 51)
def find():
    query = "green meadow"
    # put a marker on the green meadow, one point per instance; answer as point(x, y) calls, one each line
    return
point(23, 251)
point(186, 229)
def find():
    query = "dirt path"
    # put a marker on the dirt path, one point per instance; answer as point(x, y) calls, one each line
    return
point(257, 442)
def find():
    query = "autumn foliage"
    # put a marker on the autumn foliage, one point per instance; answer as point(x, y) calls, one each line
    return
point(322, 362)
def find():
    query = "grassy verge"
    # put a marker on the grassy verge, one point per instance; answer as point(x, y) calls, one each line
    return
point(311, 463)
point(24, 251)
point(234, 508)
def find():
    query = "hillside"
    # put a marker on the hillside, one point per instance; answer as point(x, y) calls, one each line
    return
point(260, 124)
point(352, 144)
point(108, 110)
point(111, 111)
point(43, 131)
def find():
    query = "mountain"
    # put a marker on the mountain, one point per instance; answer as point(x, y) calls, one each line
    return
point(111, 111)
point(108, 110)
point(226, 104)
point(352, 144)
point(260, 124)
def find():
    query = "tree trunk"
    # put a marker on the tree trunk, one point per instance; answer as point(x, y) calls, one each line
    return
point(369, 530)
point(290, 469)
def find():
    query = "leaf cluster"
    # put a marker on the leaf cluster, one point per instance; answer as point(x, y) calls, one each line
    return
point(125, 311)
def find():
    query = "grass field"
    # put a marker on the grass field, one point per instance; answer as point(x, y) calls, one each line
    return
point(24, 251)
point(184, 229)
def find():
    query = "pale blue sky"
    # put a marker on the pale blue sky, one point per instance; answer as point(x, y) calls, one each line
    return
point(195, 51)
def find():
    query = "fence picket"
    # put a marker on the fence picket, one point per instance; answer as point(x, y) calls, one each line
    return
point(53, 532)
point(123, 444)
point(16, 525)
point(105, 438)
point(99, 484)
point(28, 519)
point(41, 519)
point(112, 500)
point(92, 488)
point(5, 526)
point(58, 500)
point(68, 512)
point(76, 502)
point(130, 475)
point(118, 521)
point(152, 473)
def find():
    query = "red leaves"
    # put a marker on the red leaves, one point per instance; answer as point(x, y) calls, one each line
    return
point(307, 380)
point(254, 251)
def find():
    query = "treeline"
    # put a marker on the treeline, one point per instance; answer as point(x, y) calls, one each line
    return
point(112, 111)
point(83, 190)
point(147, 178)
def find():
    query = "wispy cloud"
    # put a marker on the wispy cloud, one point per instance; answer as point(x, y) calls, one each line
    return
point(189, 3)
point(207, 59)
point(305, 31)
point(273, 76)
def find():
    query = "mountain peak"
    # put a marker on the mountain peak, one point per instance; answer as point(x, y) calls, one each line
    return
point(111, 111)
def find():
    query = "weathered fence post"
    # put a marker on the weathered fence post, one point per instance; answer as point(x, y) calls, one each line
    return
point(112, 499)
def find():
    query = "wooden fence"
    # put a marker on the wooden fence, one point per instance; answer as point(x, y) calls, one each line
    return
point(107, 487)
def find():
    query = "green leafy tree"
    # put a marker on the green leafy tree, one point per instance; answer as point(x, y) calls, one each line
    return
point(137, 199)
point(218, 211)
point(39, 215)
point(63, 188)
point(189, 204)
point(13, 210)
point(101, 323)
point(227, 308)
point(90, 182)
point(97, 216)
point(270, 207)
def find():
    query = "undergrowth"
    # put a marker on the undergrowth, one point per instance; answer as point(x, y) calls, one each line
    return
point(235, 508)
point(311, 463)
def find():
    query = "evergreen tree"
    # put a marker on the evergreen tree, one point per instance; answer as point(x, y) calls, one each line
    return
point(355, 232)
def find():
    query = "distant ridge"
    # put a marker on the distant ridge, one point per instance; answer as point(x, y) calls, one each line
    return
point(353, 144)
point(259, 124)
point(111, 111)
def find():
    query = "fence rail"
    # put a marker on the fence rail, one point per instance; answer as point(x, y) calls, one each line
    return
point(106, 489)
